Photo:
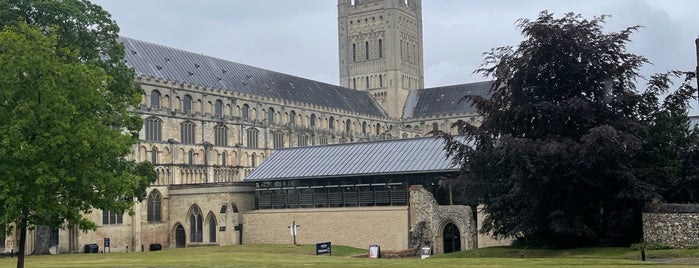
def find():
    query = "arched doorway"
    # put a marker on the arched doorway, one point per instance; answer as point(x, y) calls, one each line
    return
point(452, 238)
point(180, 237)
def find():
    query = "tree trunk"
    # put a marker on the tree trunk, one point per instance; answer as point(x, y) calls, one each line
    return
point(22, 242)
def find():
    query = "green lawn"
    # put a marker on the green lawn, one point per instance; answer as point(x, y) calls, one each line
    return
point(303, 256)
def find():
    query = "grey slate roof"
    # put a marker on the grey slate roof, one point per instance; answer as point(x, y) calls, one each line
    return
point(188, 67)
point(420, 155)
point(443, 100)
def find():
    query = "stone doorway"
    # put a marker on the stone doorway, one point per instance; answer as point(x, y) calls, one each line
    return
point(452, 238)
point(180, 237)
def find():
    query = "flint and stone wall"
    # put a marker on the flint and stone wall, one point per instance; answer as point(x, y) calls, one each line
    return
point(675, 225)
point(428, 220)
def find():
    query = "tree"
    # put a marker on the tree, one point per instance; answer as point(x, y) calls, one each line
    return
point(66, 118)
point(554, 159)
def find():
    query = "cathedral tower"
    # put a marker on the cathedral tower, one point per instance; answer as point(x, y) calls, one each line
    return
point(380, 44)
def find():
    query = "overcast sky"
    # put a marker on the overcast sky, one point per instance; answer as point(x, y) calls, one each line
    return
point(300, 37)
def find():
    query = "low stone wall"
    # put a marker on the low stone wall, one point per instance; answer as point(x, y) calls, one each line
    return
point(675, 225)
point(358, 227)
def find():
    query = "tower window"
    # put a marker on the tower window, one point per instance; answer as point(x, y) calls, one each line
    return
point(354, 83)
point(367, 82)
point(331, 123)
point(313, 120)
point(380, 80)
point(354, 52)
point(366, 49)
point(380, 48)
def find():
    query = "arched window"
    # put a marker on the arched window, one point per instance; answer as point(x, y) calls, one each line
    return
point(195, 225)
point(155, 99)
point(253, 160)
point(331, 123)
point(153, 129)
point(154, 156)
point(246, 112)
point(221, 135)
point(323, 140)
point(270, 116)
point(366, 49)
point(187, 104)
point(348, 126)
point(218, 108)
point(252, 138)
point(364, 128)
point(354, 52)
point(367, 82)
point(278, 140)
point(354, 83)
point(378, 129)
point(380, 48)
point(303, 140)
point(292, 118)
point(380, 80)
point(213, 229)
point(224, 159)
point(187, 130)
point(313, 120)
point(435, 126)
point(154, 206)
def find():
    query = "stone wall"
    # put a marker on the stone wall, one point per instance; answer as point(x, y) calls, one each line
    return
point(428, 220)
point(675, 225)
point(356, 227)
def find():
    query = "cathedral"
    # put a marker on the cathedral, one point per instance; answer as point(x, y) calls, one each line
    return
point(210, 122)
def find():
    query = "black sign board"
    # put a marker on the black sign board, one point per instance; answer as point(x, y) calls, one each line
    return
point(106, 243)
point(324, 248)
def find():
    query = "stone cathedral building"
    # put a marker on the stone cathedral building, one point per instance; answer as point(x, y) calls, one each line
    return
point(210, 122)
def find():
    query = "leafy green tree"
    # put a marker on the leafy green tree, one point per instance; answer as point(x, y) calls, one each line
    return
point(66, 126)
point(554, 159)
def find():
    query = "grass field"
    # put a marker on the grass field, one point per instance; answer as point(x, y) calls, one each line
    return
point(303, 256)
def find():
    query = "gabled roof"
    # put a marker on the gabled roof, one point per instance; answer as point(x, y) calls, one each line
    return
point(193, 68)
point(443, 100)
point(404, 156)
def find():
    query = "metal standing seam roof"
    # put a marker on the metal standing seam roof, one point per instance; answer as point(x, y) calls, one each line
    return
point(168, 63)
point(443, 100)
point(419, 155)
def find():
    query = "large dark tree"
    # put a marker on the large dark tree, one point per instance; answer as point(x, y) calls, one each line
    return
point(67, 122)
point(554, 159)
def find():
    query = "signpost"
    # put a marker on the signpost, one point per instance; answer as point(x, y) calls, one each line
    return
point(324, 248)
point(107, 244)
point(292, 230)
